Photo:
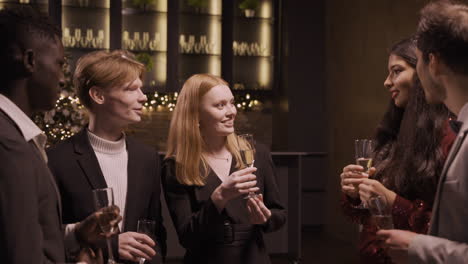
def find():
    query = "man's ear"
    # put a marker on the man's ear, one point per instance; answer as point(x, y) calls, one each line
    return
point(436, 65)
point(96, 94)
point(29, 60)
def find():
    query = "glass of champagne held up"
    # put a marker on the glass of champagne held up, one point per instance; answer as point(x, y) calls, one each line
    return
point(247, 152)
point(105, 198)
point(363, 154)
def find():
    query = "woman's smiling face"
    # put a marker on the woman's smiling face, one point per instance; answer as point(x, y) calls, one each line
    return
point(217, 112)
point(400, 79)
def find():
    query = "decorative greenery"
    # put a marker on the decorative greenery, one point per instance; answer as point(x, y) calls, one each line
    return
point(67, 118)
point(143, 3)
point(249, 4)
point(197, 3)
point(146, 59)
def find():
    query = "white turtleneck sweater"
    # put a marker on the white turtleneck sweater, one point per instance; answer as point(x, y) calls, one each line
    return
point(113, 160)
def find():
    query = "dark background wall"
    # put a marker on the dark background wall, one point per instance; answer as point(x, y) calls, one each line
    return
point(301, 125)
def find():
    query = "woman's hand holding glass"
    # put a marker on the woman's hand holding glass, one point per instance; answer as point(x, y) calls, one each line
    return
point(369, 188)
point(258, 212)
point(238, 183)
point(351, 177)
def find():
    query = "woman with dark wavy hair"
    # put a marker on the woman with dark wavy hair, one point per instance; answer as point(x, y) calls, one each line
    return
point(412, 142)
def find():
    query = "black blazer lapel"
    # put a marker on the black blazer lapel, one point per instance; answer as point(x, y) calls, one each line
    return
point(88, 161)
point(212, 182)
point(135, 179)
point(51, 177)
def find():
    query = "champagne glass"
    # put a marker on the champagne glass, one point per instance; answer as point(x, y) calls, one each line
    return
point(381, 212)
point(148, 227)
point(363, 154)
point(247, 152)
point(105, 198)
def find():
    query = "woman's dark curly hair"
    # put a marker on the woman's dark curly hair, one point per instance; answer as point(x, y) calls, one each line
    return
point(408, 152)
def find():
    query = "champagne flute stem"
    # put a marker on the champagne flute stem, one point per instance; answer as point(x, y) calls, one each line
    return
point(109, 250)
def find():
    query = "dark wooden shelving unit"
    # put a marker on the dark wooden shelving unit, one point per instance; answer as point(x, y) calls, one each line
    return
point(221, 23)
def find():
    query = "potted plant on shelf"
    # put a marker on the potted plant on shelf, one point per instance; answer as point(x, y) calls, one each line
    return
point(198, 5)
point(249, 7)
point(143, 4)
point(146, 60)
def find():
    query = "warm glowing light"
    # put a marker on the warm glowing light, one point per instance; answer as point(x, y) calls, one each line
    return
point(161, 29)
point(264, 77)
point(266, 36)
point(161, 5)
point(215, 7)
point(266, 9)
point(215, 65)
point(214, 34)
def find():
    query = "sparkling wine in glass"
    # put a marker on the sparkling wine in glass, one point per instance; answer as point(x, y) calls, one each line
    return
point(247, 152)
point(380, 211)
point(383, 221)
point(363, 153)
point(366, 163)
point(104, 198)
point(147, 227)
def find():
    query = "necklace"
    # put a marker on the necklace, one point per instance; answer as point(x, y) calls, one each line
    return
point(220, 158)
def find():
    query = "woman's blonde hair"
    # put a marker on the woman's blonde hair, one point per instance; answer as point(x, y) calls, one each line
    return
point(104, 69)
point(185, 143)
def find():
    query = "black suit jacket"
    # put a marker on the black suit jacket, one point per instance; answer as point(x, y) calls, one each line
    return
point(30, 225)
point(211, 237)
point(75, 165)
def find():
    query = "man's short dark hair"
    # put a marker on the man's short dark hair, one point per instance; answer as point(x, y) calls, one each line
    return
point(443, 31)
point(20, 26)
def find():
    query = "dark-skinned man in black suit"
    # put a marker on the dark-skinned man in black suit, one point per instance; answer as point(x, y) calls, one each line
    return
point(30, 210)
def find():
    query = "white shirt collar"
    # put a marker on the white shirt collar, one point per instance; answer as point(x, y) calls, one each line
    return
point(463, 114)
point(25, 124)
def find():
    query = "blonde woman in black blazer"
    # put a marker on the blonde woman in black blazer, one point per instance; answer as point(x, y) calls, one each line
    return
point(204, 187)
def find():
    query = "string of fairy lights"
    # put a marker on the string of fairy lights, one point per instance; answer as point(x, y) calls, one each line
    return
point(167, 101)
point(69, 115)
